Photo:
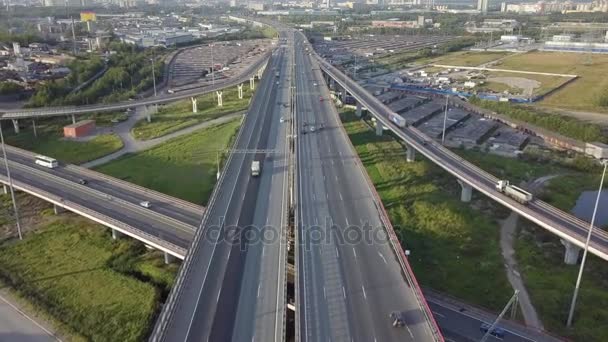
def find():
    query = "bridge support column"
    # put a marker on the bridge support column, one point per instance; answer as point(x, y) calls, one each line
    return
point(16, 125)
point(220, 102)
point(260, 73)
point(240, 87)
point(4, 189)
point(410, 154)
point(571, 253)
point(57, 209)
point(73, 119)
point(359, 110)
point(148, 115)
point(169, 258)
point(378, 128)
point(194, 105)
point(34, 127)
point(252, 83)
point(467, 191)
point(116, 234)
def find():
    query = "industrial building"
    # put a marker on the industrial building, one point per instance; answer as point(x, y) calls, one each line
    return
point(79, 129)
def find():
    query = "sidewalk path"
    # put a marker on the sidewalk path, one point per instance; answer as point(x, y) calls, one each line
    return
point(131, 145)
point(16, 325)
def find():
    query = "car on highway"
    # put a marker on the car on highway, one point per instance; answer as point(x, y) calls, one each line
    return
point(496, 332)
point(315, 84)
point(282, 119)
point(397, 318)
point(82, 181)
point(321, 98)
point(312, 128)
point(145, 204)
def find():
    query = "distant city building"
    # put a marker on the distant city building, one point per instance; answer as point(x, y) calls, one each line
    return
point(396, 23)
point(541, 7)
point(17, 49)
point(482, 6)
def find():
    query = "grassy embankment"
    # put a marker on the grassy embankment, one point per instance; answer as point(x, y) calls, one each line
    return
point(540, 254)
point(454, 246)
point(183, 167)
point(178, 116)
point(91, 288)
point(50, 142)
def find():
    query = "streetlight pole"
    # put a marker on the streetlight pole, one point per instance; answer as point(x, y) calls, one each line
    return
point(10, 185)
point(154, 77)
point(445, 119)
point(580, 271)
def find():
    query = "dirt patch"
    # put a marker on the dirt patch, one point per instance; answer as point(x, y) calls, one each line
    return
point(526, 84)
point(31, 213)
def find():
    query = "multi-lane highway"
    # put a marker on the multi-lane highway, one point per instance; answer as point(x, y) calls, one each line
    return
point(16, 114)
point(349, 278)
point(168, 224)
point(215, 298)
point(565, 225)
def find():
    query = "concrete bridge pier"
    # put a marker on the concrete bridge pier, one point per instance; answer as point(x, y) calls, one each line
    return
point(467, 191)
point(4, 189)
point(378, 128)
point(116, 234)
point(73, 119)
point(252, 83)
point(34, 127)
point(220, 102)
point(16, 125)
point(410, 154)
point(194, 104)
point(57, 209)
point(240, 87)
point(571, 253)
point(169, 258)
point(359, 111)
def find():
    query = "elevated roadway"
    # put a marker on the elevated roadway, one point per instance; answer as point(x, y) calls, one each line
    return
point(351, 271)
point(16, 114)
point(560, 223)
point(168, 225)
point(215, 298)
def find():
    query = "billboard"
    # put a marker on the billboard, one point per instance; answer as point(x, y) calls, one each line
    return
point(88, 16)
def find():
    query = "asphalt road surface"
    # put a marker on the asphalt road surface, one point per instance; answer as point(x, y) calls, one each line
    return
point(204, 308)
point(347, 286)
point(15, 326)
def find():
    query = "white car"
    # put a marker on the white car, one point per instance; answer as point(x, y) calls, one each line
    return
point(145, 204)
point(315, 84)
point(282, 119)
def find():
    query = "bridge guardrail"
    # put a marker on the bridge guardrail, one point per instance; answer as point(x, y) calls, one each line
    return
point(105, 220)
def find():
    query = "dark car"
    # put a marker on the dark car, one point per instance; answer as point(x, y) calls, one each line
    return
point(397, 319)
point(82, 181)
point(497, 332)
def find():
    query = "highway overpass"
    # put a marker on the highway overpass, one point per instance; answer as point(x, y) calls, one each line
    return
point(345, 289)
point(220, 294)
point(168, 225)
point(33, 113)
point(570, 229)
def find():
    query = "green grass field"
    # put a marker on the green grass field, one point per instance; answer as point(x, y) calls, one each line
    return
point(582, 94)
point(71, 271)
point(468, 58)
point(50, 142)
point(550, 284)
point(183, 167)
point(454, 247)
point(178, 116)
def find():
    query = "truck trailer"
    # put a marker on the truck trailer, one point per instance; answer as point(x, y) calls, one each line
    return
point(516, 193)
point(397, 119)
point(255, 168)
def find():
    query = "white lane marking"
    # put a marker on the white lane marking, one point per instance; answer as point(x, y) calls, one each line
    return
point(28, 317)
point(259, 286)
point(341, 199)
point(337, 254)
point(336, 176)
point(327, 195)
point(364, 294)
point(314, 197)
point(382, 256)
point(355, 252)
point(324, 293)
point(410, 331)
point(218, 296)
point(343, 291)
point(263, 250)
point(438, 314)
point(347, 224)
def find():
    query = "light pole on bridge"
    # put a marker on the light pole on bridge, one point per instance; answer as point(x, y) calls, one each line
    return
point(580, 271)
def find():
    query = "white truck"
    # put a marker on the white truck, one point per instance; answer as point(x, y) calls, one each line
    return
point(516, 193)
point(255, 168)
point(397, 119)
